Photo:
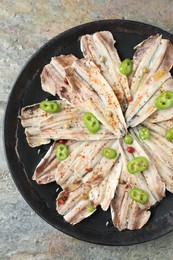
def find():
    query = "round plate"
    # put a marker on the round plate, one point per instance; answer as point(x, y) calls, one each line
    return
point(22, 159)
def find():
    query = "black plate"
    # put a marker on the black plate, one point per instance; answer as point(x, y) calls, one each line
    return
point(27, 90)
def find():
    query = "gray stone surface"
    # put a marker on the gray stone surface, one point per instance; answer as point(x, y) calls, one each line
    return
point(24, 27)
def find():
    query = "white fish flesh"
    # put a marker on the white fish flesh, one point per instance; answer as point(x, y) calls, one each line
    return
point(99, 48)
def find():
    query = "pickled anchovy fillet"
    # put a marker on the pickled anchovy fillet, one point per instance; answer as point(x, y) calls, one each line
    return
point(127, 213)
point(31, 117)
point(87, 99)
point(70, 172)
point(165, 172)
point(105, 191)
point(53, 76)
point(69, 125)
point(161, 115)
point(162, 161)
point(138, 180)
point(148, 59)
point(167, 62)
point(74, 94)
point(46, 169)
point(143, 53)
point(153, 60)
point(40, 126)
point(166, 124)
point(151, 175)
point(148, 110)
point(163, 145)
point(84, 166)
point(154, 127)
point(99, 48)
point(74, 208)
point(144, 94)
point(103, 168)
point(97, 187)
point(100, 93)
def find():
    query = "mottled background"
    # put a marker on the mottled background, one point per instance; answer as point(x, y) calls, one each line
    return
point(24, 27)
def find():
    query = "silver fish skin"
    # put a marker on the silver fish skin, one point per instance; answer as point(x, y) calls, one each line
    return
point(53, 77)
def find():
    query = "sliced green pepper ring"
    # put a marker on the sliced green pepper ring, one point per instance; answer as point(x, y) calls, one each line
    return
point(164, 100)
point(144, 133)
point(169, 134)
point(91, 123)
point(137, 164)
point(50, 106)
point(126, 67)
point(61, 152)
point(109, 153)
point(128, 139)
point(90, 208)
point(139, 195)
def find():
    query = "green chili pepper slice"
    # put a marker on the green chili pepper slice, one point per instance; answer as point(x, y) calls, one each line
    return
point(90, 208)
point(126, 67)
point(137, 164)
point(61, 152)
point(91, 123)
point(109, 153)
point(128, 139)
point(50, 106)
point(144, 133)
point(139, 195)
point(164, 100)
point(169, 134)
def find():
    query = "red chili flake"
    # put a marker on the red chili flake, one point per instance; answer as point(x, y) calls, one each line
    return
point(63, 89)
point(77, 182)
point(130, 99)
point(62, 141)
point(66, 193)
point(61, 201)
point(122, 182)
point(130, 149)
point(88, 169)
point(66, 81)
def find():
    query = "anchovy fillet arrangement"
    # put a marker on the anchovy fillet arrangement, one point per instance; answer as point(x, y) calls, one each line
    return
point(109, 163)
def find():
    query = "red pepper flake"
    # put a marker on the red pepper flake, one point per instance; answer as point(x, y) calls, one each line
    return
point(63, 89)
point(66, 193)
point(62, 141)
point(130, 99)
point(61, 201)
point(88, 169)
point(130, 149)
point(122, 182)
point(66, 81)
point(77, 182)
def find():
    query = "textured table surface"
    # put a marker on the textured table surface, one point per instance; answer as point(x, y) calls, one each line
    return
point(24, 27)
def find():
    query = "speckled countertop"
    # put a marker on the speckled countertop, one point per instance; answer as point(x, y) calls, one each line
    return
point(24, 27)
